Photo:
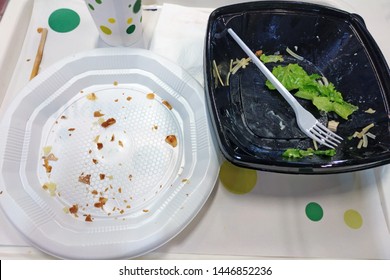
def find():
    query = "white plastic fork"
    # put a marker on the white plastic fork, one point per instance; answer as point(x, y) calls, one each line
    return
point(306, 121)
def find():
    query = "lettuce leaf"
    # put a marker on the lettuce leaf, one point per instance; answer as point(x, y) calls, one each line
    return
point(324, 97)
point(298, 153)
point(271, 58)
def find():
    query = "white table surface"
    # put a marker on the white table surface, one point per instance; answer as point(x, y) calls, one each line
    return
point(213, 233)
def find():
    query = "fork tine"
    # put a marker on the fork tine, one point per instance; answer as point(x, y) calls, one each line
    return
point(326, 134)
point(320, 140)
point(326, 130)
point(323, 135)
point(323, 138)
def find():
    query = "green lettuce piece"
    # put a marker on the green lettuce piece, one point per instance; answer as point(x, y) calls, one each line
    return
point(271, 58)
point(328, 153)
point(293, 77)
point(324, 97)
point(323, 103)
point(344, 109)
point(298, 153)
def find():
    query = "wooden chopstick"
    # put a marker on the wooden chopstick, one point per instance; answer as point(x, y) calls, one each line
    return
point(38, 57)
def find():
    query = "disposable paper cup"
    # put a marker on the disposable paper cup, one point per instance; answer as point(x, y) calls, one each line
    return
point(119, 21)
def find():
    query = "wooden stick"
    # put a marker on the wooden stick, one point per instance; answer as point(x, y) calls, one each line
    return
point(38, 57)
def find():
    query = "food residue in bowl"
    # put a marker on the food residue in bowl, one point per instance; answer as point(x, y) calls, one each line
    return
point(363, 135)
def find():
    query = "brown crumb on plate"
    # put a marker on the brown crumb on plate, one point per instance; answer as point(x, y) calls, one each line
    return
point(98, 114)
point(171, 140)
point(85, 179)
point(108, 122)
point(92, 96)
point(150, 96)
point(88, 218)
point(166, 103)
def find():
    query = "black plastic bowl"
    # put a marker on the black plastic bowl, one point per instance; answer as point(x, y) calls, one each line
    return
point(255, 125)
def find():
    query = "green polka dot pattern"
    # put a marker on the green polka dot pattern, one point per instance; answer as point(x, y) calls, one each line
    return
point(314, 211)
point(64, 20)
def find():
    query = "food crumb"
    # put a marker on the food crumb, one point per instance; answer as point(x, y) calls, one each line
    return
point(332, 125)
point(100, 121)
point(129, 98)
point(47, 150)
point(74, 209)
point(115, 83)
point(51, 157)
point(112, 138)
point(71, 129)
point(92, 96)
point(47, 166)
point(94, 192)
point(50, 187)
point(150, 96)
point(171, 140)
point(120, 143)
point(85, 179)
point(166, 103)
point(101, 203)
point(259, 53)
point(102, 176)
point(108, 122)
point(88, 218)
point(145, 210)
point(98, 114)
point(370, 111)
point(95, 161)
point(99, 146)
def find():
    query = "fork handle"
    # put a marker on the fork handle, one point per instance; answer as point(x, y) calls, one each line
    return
point(267, 73)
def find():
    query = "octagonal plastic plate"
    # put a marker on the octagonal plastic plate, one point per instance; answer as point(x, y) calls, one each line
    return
point(107, 154)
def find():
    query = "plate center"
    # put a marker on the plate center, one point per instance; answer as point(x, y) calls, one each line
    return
point(108, 150)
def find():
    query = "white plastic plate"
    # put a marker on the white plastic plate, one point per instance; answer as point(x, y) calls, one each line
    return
point(106, 155)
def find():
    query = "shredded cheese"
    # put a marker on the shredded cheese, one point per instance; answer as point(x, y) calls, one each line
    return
point(332, 125)
point(363, 136)
point(293, 54)
point(216, 72)
point(370, 111)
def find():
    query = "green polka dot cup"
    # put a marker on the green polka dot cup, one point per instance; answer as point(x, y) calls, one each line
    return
point(119, 22)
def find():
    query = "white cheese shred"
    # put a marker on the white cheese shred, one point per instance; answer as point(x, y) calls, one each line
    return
point(216, 72)
point(293, 54)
